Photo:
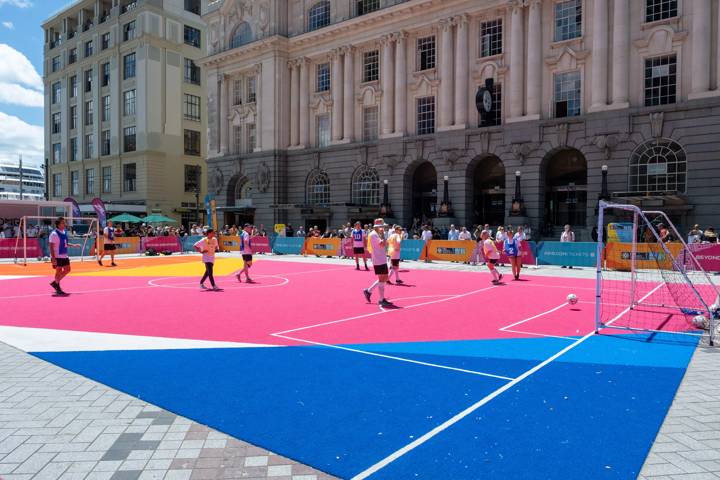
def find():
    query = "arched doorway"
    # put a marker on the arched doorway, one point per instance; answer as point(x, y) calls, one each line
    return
point(424, 191)
point(565, 186)
point(488, 191)
point(239, 208)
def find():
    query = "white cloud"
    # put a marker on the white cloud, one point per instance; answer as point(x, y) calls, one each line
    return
point(8, 25)
point(16, 3)
point(15, 94)
point(20, 83)
point(17, 136)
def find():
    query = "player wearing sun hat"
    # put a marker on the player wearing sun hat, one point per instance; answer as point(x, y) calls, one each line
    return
point(376, 246)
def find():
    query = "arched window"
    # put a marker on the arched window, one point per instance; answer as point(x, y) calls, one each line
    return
point(319, 16)
point(658, 166)
point(318, 188)
point(243, 194)
point(241, 35)
point(366, 186)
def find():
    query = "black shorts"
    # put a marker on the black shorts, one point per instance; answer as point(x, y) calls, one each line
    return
point(109, 246)
point(62, 262)
point(492, 261)
point(247, 258)
point(395, 262)
point(381, 269)
point(358, 250)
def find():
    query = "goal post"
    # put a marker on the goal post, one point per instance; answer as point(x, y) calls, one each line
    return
point(648, 279)
point(82, 230)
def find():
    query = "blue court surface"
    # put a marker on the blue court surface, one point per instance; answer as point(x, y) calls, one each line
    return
point(590, 412)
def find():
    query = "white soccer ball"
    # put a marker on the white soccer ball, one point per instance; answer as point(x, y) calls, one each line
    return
point(572, 299)
point(700, 322)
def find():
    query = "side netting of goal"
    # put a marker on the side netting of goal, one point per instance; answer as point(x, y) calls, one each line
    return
point(647, 277)
point(34, 232)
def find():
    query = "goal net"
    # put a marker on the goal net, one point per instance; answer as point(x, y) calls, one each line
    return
point(33, 233)
point(648, 278)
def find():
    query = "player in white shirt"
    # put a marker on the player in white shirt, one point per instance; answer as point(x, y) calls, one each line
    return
point(246, 252)
point(59, 257)
point(108, 244)
point(426, 236)
point(358, 239)
point(491, 256)
point(394, 242)
point(208, 245)
point(376, 246)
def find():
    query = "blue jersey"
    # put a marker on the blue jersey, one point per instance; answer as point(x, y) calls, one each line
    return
point(511, 248)
point(357, 236)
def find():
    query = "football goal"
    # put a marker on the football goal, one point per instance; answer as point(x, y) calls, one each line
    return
point(33, 233)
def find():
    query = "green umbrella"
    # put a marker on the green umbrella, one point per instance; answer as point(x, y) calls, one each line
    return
point(157, 218)
point(126, 218)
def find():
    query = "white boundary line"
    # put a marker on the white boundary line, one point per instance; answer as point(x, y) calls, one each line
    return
point(507, 328)
point(235, 286)
point(450, 422)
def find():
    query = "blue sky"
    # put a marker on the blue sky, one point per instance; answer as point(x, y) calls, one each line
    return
point(21, 56)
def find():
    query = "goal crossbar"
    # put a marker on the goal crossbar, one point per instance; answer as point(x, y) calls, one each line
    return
point(21, 245)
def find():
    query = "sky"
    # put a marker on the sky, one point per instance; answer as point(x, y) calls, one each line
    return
point(21, 85)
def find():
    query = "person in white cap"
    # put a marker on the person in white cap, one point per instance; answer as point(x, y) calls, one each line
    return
point(376, 246)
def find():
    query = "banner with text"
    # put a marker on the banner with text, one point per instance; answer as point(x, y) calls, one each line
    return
point(450, 250)
point(162, 244)
point(411, 249)
point(7, 248)
point(288, 245)
point(708, 255)
point(572, 254)
point(650, 256)
point(324, 247)
point(261, 245)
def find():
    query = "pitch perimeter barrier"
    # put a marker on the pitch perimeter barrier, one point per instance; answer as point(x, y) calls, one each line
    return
point(572, 254)
point(449, 250)
point(124, 245)
point(323, 247)
point(161, 244)
point(261, 245)
point(289, 245)
point(411, 249)
point(648, 256)
point(189, 242)
point(7, 248)
point(708, 255)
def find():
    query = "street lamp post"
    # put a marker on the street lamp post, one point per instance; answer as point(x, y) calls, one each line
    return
point(446, 206)
point(385, 209)
point(516, 209)
point(604, 193)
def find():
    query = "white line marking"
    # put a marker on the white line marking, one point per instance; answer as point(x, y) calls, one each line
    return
point(391, 357)
point(235, 286)
point(450, 422)
point(48, 294)
point(554, 309)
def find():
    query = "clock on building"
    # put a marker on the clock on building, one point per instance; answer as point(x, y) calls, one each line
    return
point(484, 98)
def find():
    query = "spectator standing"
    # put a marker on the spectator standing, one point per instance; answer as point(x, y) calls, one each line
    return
point(453, 233)
point(695, 235)
point(301, 231)
point(426, 236)
point(567, 236)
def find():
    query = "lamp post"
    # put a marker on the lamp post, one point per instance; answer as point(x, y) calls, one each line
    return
point(604, 193)
point(516, 209)
point(385, 210)
point(446, 206)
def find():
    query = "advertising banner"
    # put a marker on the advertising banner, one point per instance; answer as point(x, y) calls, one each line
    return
point(708, 255)
point(99, 208)
point(229, 243)
point(288, 245)
point(574, 254)
point(75, 207)
point(261, 245)
point(280, 229)
point(648, 255)
point(162, 244)
point(324, 247)
point(620, 232)
point(7, 248)
point(411, 249)
point(526, 250)
point(450, 250)
point(189, 241)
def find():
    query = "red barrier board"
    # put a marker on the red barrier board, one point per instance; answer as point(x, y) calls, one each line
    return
point(162, 244)
point(347, 248)
point(261, 244)
point(7, 248)
point(708, 255)
point(527, 254)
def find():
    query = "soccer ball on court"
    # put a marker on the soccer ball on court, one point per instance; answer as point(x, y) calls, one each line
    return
point(700, 322)
point(572, 299)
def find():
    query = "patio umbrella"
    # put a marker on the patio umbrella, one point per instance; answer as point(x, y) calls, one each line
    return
point(126, 218)
point(157, 218)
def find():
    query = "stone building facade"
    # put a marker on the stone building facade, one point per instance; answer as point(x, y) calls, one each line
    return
point(315, 106)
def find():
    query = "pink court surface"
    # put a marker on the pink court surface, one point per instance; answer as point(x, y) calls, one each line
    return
point(463, 380)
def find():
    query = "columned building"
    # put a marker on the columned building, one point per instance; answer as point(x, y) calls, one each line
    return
point(315, 106)
point(125, 113)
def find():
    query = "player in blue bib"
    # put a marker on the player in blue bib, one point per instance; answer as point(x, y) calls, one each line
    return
point(358, 239)
point(512, 251)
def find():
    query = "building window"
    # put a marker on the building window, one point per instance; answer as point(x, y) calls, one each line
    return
point(323, 130)
point(191, 107)
point(660, 80)
point(237, 139)
point(494, 118)
point(322, 77)
point(129, 103)
point(251, 90)
point(89, 114)
point(107, 179)
point(370, 123)
point(56, 158)
point(192, 180)
point(366, 6)
point(319, 16)
point(426, 53)
point(89, 181)
point(88, 48)
point(105, 108)
point(57, 184)
point(568, 97)
point(88, 80)
point(129, 66)
point(568, 20)
point(660, 10)
point(251, 138)
point(318, 188)
point(129, 139)
point(192, 142)
point(658, 166)
point(129, 177)
point(491, 38)
point(73, 117)
point(56, 123)
point(55, 64)
point(371, 66)
point(237, 92)
point(192, 72)
point(89, 145)
point(105, 145)
point(105, 41)
point(425, 115)
point(75, 182)
point(241, 36)
point(192, 6)
point(56, 88)
point(192, 36)
point(73, 86)
point(73, 149)
point(129, 31)
point(366, 186)
point(72, 56)
point(105, 74)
